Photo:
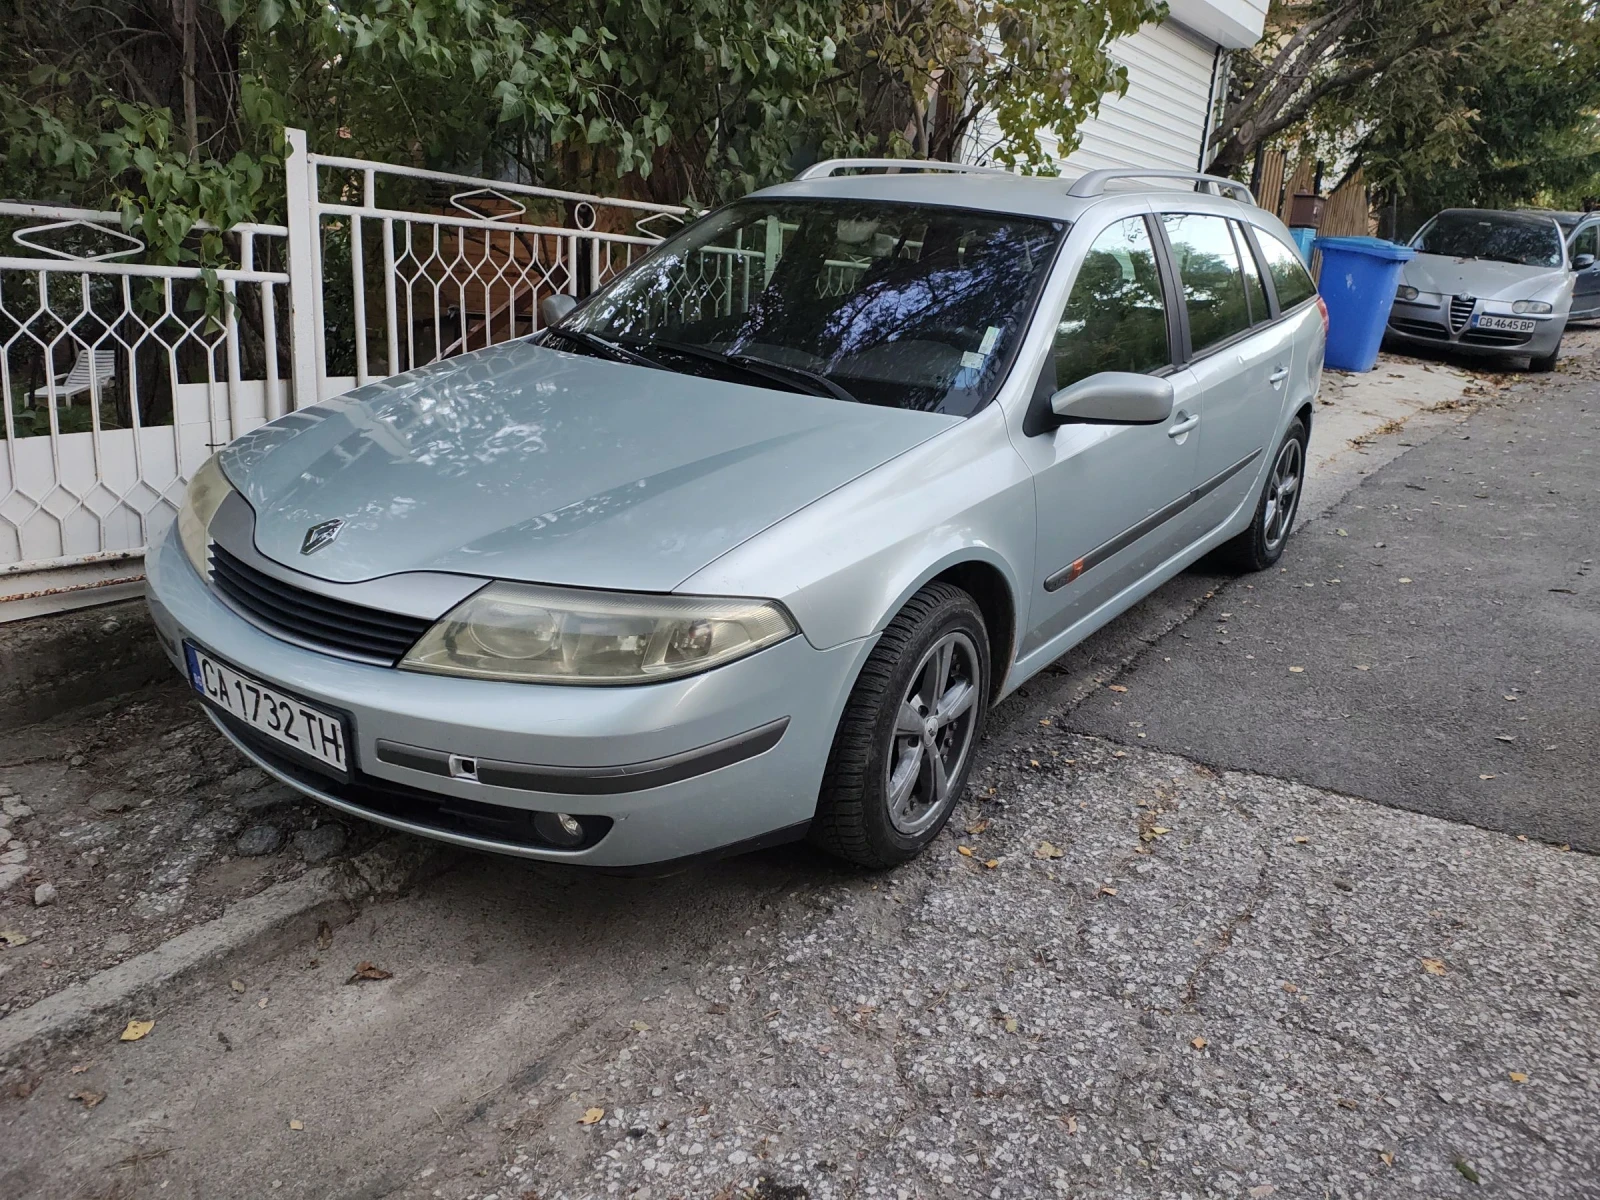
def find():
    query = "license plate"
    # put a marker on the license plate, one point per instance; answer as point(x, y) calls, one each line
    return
point(1508, 324)
point(298, 725)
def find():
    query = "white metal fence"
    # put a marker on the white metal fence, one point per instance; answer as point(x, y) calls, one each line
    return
point(116, 385)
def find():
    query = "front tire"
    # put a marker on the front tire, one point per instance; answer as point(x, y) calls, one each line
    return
point(1545, 363)
point(905, 743)
point(1261, 545)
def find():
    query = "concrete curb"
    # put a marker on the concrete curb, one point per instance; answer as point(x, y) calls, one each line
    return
point(387, 869)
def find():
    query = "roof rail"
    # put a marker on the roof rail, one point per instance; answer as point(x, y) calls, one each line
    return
point(834, 166)
point(1094, 183)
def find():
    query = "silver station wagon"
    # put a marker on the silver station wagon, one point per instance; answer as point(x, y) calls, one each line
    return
point(743, 548)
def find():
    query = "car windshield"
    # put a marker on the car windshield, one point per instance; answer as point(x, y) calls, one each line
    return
point(1527, 242)
point(906, 306)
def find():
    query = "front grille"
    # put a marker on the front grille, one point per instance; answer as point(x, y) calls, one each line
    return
point(415, 806)
point(290, 612)
point(1461, 311)
point(1495, 337)
point(1427, 329)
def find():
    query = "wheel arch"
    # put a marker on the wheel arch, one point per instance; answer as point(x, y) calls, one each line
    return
point(987, 578)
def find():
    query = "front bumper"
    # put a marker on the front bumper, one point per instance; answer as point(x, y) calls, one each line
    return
point(1425, 323)
point(729, 758)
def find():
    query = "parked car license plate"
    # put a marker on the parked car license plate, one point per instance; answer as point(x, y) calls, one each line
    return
point(296, 724)
point(1508, 324)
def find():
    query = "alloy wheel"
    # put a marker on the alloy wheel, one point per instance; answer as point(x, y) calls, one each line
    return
point(933, 733)
point(1282, 489)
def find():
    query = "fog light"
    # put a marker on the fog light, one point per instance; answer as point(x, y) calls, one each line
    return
point(559, 829)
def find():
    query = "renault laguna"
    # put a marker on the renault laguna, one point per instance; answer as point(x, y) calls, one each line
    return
point(744, 547)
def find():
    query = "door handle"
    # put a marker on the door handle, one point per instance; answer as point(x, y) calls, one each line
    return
point(1182, 427)
point(1278, 376)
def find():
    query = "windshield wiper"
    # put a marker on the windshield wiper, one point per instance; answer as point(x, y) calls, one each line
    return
point(602, 347)
point(794, 377)
point(836, 390)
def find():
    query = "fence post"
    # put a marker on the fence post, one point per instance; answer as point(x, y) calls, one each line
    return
point(300, 180)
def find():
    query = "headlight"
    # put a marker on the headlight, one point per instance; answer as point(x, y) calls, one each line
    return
point(208, 488)
point(1406, 292)
point(536, 634)
point(1531, 306)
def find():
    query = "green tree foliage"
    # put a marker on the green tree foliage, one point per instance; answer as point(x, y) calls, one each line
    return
point(173, 110)
point(1442, 101)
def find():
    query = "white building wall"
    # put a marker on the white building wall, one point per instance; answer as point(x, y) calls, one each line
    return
point(1161, 119)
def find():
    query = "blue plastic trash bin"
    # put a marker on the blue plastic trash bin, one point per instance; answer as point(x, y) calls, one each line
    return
point(1359, 276)
point(1303, 236)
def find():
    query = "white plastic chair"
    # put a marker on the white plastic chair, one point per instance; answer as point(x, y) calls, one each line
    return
point(77, 381)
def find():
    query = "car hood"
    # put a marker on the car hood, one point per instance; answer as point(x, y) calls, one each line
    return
point(1480, 277)
point(520, 462)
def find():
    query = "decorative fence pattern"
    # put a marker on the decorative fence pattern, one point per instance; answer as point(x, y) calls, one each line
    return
point(115, 384)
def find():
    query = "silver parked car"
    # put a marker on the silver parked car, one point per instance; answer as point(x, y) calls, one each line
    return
point(747, 545)
point(1488, 282)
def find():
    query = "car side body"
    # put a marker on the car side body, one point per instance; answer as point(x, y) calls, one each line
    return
point(532, 464)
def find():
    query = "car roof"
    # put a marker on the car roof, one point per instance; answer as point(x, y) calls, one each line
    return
point(1567, 220)
point(1003, 192)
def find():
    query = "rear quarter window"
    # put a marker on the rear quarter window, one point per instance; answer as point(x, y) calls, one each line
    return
point(1290, 279)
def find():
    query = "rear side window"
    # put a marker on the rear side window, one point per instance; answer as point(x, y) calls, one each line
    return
point(1116, 316)
point(1586, 241)
point(1213, 281)
point(1257, 290)
point(1290, 278)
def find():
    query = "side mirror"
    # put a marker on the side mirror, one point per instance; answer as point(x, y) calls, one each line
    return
point(1583, 262)
point(554, 309)
point(1115, 398)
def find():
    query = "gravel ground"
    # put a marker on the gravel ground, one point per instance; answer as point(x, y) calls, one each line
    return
point(136, 815)
point(1224, 986)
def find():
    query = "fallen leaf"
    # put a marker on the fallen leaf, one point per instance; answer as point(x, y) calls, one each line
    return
point(1119, 754)
point(365, 970)
point(1262, 1189)
point(1159, 830)
point(1106, 890)
point(13, 937)
point(1342, 532)
point(1033, 762)
point(324, 936)
point(1297, 670)
point(1199, 1043)
point(1485, 776)
point(1513, 699)
point(1433, 966)
point(89, 1099)
point(1291, 988)
point(977, 827)
point(81, 1068)
point(237, 985)
point(136, 1030)
point(1467, 1172)
point(1403, 579)
point(1045, 721)
point(1387, 1156)
point(592, 1116)
point(1116, 687)
point(1351, 1104)
point(640, 1027)
point(1363, 667)
point(1301, 841)
point(1047, 850)
point(1504, 737)
point(1011, 1025)
point(262, 1003)
point(965, 851)
point(1071, 1122)
point(1518, 1077)
point(296, 1125)
point(992, 863)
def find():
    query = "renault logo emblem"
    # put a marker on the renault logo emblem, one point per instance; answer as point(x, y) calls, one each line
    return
point(321, 535)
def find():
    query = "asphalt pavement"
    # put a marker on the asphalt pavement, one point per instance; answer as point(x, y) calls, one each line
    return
point(1431, 643)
